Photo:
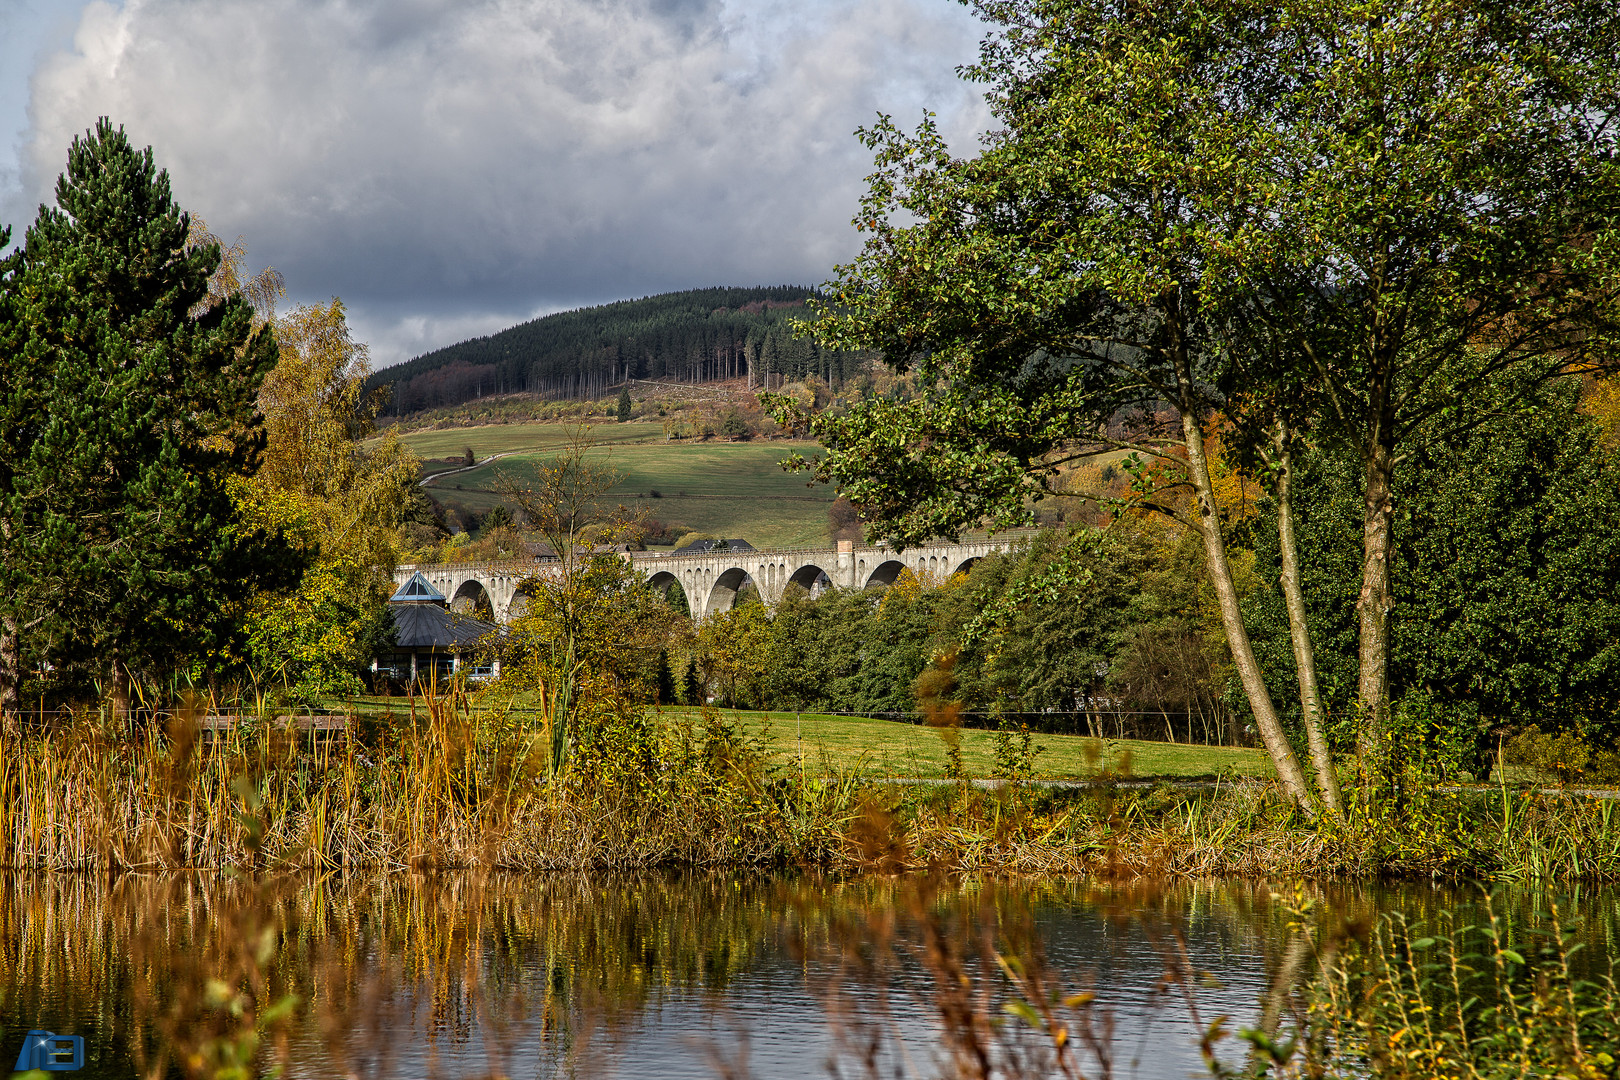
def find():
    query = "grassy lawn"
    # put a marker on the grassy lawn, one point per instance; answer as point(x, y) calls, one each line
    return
point(890, 748)
point(885, 748)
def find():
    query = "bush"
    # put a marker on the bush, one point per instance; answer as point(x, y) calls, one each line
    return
point(656, 531)
point(734, 425)
point(1564, 757)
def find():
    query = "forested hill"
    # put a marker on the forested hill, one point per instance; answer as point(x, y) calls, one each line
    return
point(693, 336)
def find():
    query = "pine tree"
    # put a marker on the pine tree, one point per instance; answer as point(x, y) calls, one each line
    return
point(666, 679)
point(126, 415)
point(624, 405)
point(692, 690)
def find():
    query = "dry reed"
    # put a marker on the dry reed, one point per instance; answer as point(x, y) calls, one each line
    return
point(447, 785)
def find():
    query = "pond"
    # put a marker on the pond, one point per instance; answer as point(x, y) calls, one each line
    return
point(677, 975)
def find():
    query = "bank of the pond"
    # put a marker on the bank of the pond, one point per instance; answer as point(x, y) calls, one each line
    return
point(458, 789)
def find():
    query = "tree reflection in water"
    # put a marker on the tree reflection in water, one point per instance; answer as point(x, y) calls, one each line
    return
point(673, 975)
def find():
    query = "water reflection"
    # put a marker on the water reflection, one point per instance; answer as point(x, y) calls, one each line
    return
point(680, 975)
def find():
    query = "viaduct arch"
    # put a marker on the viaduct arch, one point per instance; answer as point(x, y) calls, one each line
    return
point(712, 580)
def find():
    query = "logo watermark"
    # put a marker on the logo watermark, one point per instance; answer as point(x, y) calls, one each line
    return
point(48, 1052)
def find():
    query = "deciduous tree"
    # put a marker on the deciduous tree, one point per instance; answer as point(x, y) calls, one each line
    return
point(1393, 201)
point(1050, 293)
point(590, 613)
point(1425, 214)
point(338, 494)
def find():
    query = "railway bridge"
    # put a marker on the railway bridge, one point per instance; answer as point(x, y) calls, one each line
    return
point(711, 580)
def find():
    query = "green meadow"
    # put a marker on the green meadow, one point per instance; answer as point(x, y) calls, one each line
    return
point(894, 749)
point(506, 438)
point(726, 489)
point(891, 748)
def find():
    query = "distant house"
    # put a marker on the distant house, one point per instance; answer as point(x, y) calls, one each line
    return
point(539, 552)
point(703, 547)
point(431, 642)
point(545, 553)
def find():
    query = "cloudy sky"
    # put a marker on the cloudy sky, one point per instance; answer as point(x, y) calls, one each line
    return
point(451, 167)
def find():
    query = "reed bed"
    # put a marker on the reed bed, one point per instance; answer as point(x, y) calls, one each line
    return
point(1242, 829)
point(444, 784)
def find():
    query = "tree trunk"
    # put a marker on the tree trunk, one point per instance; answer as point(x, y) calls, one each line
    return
point(1299, 632)
point(1220, 576)
point(1373, 607)
point(120, 690)
point(10, 672)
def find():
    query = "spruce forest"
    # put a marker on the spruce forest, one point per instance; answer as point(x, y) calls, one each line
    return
point(699, 335)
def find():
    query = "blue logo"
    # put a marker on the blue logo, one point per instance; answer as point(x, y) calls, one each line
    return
point(51, 1053)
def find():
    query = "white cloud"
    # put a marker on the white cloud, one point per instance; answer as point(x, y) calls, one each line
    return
point(445, 164)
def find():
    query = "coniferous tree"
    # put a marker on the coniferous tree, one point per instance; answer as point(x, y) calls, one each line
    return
point(127, 410)
point(666, 679)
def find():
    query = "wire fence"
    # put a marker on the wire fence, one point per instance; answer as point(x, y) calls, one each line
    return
point(1189, 726)
point(1183, 726)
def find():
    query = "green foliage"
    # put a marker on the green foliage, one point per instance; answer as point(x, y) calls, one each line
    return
point(600, 619)
point(1353, 216)
point(312, 641)
point(127, 409)
point(1071, 618)
point(1507, 567)
point(734, 650)
point(675, 597)
point(337, 500)
point(691, 688)
point(664, 691)
point(1561, 756)
point(625, 408)
point(734, 425)
point(1063, 605)
point(499, 517)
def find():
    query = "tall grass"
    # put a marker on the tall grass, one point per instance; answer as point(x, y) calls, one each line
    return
point(444, 783)
point(1443, 999)
point(440, 785)
point(1244, 828)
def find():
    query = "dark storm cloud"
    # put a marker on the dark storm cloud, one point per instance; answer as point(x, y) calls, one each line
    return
point(450, 166)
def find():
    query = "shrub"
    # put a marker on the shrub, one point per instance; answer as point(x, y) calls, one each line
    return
point(1562, 756)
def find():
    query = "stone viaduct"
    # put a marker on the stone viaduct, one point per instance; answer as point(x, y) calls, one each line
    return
point(711, 580)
